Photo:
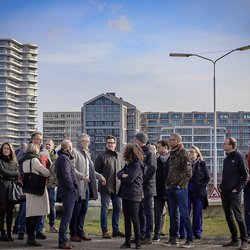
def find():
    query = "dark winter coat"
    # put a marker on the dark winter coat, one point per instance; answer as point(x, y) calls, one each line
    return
point(132, 186)
point(149, 181)
point(66, 175)
point(8, 172)
point(235, 172)
point(108, 164)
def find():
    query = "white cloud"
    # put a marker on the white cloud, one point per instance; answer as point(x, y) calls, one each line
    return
point(121, 24)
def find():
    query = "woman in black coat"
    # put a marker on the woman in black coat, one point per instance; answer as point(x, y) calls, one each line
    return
point(8, 173)
point(197, 193)
point(131, 191)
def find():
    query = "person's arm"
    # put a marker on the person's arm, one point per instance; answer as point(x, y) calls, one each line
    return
point(7, 173)
point(151, 167)
point(38, 166)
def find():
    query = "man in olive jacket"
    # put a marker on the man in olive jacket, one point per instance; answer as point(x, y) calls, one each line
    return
point(180, 172)
point(108, 164)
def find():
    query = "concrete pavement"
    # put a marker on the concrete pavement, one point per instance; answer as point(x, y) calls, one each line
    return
point(98, 242)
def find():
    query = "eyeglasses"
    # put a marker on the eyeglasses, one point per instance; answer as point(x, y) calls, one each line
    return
point(110, 142)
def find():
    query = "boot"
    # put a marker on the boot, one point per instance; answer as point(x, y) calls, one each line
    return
point(10, 236)
point(4, 236)
point(32, 242)
point(126, 244)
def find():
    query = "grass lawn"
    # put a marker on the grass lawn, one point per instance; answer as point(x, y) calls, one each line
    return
point(212, 226)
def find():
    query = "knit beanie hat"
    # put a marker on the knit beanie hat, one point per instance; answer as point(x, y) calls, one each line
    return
point(141, 137)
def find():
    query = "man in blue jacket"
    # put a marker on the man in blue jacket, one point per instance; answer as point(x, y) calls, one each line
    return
point(234, 178)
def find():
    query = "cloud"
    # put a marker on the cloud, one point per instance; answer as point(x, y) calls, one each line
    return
point(121, 24)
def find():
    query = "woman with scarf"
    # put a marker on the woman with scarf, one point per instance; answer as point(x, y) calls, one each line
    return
point(131, 191)
point(35, 205)
point(8, 173)
point(197, 193)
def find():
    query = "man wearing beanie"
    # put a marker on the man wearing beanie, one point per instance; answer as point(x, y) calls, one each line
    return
point(149, 189)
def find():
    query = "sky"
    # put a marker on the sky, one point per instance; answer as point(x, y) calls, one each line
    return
point(89, 47)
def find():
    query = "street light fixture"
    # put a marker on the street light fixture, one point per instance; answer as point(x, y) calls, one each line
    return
point(214, 90)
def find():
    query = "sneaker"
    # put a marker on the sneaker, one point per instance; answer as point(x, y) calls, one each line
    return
point(244, 245)
point(232, 243)
point(106, 235)
point(41, 236)
point(188, 244)
point(146, 241)
point(118, 233)
point(156, 239)
point(20, 236)
point(171, 243)
point(53, 229)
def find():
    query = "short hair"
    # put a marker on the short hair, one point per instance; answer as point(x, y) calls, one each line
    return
point(132, 153)
point(66, 143)
point(51, 141)
point(110, 137)
point(177, 136)
point(197, 150)
point(35, 133)
point(164, 143)
point(83, 136)
point(232, 141)
point(32, 148)
point(12, 151)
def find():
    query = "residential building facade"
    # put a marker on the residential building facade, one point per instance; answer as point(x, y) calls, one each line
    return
point(18, 91)
point(106, 115)
point(61, 125)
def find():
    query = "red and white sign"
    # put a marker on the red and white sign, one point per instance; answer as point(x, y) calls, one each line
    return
point(215, 194)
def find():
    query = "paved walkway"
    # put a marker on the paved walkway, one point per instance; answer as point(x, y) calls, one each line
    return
point(114, 243)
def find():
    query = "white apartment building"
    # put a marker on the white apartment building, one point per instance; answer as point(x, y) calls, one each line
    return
point(58, 126)
point(18, 91)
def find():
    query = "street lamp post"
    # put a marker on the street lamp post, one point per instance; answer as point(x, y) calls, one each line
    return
point(214, 95)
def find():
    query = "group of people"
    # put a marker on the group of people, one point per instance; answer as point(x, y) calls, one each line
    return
point(140, 181)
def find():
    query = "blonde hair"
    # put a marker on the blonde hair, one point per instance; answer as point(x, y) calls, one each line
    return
point(197, 150)
point(33, 148)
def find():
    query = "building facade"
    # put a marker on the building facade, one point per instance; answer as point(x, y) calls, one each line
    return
point(106, 115)
point(61, 125)
point(18, 91)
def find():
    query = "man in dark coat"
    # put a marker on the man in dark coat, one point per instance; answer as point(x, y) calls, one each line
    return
point(149, 188)
point(108, 164)
point(67, 189)
point(234, 179)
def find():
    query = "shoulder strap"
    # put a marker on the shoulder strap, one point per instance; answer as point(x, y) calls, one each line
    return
point(30, 165)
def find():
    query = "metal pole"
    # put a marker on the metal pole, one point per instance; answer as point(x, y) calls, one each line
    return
point(215, 133)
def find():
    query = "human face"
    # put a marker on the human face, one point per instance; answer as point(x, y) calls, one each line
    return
point(227, 148)
point(69, 147)
point(173, 142)
point(161, 149)
point(193, 154)
point(111, 144)
point(37, 139)
point(49, 145)
point(6, 150)
point(84, 142)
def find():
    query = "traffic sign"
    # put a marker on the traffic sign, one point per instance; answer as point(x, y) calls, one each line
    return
point(215, 193)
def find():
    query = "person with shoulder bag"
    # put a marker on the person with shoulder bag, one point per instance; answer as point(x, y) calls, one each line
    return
point(8, 173)
point(36, 205)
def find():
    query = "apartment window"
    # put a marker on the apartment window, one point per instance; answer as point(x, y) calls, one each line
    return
point(176, 116)
point(164, 116)
point(152, 116)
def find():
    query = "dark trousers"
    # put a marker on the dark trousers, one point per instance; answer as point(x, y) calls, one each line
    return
point(158, 210)
point(196, 204)
point(31, 223)
point(247, 211)
point(6, 211)
point(130, 212)
point(68, 201)
point(231, 203)
point(76, 225)
point(146, 216)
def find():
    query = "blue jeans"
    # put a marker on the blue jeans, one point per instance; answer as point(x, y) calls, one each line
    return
point(146, 216)
point(116, 202)
point(68, 202)
point(78, 217)
point(22, 218)
point(40, 224)
point(178, 200)
point(52, 204)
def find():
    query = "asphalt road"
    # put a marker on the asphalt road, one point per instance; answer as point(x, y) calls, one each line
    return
point(114, 243)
